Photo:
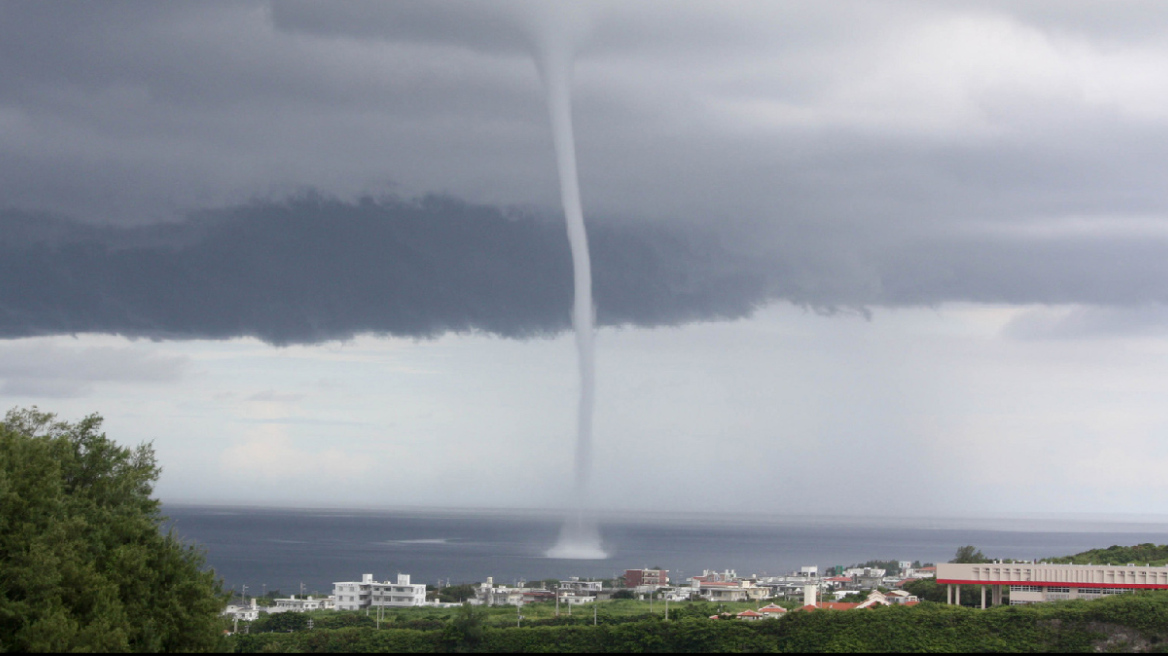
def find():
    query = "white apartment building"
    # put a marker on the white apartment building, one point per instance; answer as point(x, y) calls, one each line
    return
point(367, 593)
point(575, 585)
point(294, 605)
point(573, 591)
point(249, 612)
point(489, 594)
point(1035, 582)
point(679, 593)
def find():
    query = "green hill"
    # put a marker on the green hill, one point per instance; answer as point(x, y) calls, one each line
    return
point(1140, 554)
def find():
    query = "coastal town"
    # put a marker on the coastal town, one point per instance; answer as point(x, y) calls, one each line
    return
point(808, 589)
point(813, 588)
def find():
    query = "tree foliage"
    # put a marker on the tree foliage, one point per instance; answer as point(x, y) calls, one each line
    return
point(892, 567)
point(456, 594)
point(285, 622)
point(1140, 554)
point(926, 590)
point(969, 554)
point(84, 565)
point(467, 629)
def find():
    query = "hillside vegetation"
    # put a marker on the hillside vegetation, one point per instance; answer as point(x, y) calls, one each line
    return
point(1140, 554)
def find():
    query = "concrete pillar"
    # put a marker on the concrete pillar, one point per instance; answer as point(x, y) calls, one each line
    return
point(949, 593)
point(957, 596)
point(982, 596)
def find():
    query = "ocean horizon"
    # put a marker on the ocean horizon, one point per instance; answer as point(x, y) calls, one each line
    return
point(282, 548)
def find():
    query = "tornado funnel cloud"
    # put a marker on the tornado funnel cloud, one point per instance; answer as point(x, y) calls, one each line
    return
point(579, 537)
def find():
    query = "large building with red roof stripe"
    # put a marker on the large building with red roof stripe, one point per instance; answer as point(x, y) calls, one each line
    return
point(1036, 582)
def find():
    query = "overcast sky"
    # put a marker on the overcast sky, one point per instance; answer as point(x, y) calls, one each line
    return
point(850, 257)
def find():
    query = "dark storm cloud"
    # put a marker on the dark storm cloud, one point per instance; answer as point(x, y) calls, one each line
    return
point(314, 269)
point(864, 154)
point(481, 26)
point(131, 112)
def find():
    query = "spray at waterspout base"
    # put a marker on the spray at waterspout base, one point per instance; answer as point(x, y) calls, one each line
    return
point(579, 540)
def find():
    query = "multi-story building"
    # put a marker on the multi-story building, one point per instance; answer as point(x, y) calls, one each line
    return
point(728, 586)
point(401, 593)
point(294, 605)
point(638, 577)
point(489, 594)
point(353, 595)
point(866, 578)
point(1035, 582)
point(249, 612)
point(575, 585)
point(575, 591)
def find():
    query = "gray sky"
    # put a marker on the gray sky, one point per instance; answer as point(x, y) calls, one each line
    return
point(919, 245)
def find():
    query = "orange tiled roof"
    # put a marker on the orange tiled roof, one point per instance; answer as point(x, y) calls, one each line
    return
point(831, 605)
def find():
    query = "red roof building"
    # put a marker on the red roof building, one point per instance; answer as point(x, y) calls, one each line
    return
point(831, 605)
point(638, 577)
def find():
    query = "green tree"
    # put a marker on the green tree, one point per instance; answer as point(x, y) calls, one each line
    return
point(969, 554)
point(456, 594)
point(467, 629)
point(84, 565)
point(891, 566)
point(926, 590)
point(280, 623)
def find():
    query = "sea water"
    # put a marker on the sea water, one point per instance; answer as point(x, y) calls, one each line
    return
point(280, 549)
